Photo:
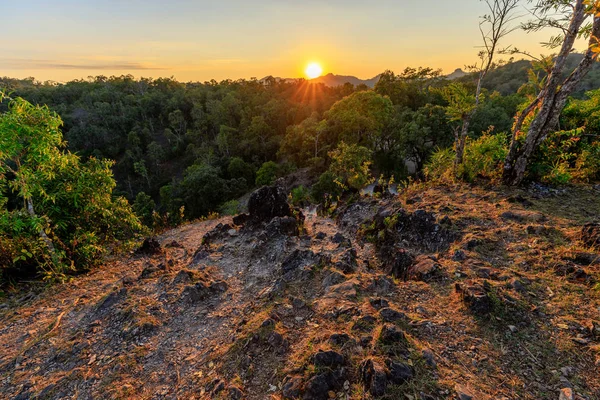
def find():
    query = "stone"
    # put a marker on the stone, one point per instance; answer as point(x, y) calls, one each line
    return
point(339, 339)
point(235, 393)
point(429, 358)
point(399, 372)
point(183, 276)
point(332, 278)
point(149, 247)
point(298, 259)
point(319, 386)
point(518, 285)
point(347, 263)
point(282, 226)
point(292, 387)
point(424, 269)
point(459, 256)
point(391, 315)
point(374, 377)
point(401, 264)
point(320, 235)
point(331, 359)
point(364, 324)
point(392, 335)
point(267, 203)
point(475, 298)
point(338, 238)
point(379, 303)
point(240, 219)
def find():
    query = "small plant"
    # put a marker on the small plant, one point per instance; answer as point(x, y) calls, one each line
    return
point(300, 196)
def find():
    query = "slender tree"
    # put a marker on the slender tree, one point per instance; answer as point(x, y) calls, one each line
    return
point(493, 28)
point(573, 22)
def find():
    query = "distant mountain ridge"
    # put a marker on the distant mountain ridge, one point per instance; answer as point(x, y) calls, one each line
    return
point(333, 80)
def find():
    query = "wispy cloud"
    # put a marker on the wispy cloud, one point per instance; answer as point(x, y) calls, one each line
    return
point(16, 63)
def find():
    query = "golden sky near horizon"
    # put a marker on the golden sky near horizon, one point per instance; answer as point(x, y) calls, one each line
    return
point(200, 40)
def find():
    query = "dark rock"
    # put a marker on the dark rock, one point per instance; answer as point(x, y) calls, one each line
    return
point(200, 255)
point(472, 244)
point(586, 259)
point(459, 256)
point(476, 298)
point(392, 335)
point(429, 358)
point(149, 247)
point(379, 303)
point(298, 259)
point(424, 270)
point(332, 278)
point(518, 285)
point(292, 387)
point(183, 276)
point(339, 339)
point(347, 263)
point(338, 238)
point(112, 300)
point(318, 387)
point(374, 377)
point(267, 203)
point(391, 315)
point(278, 342)
point(381, 285)
point(201, 290)
point(321, 235)
point(399, 372)
point(401, 264)
point(366, 341)
point(241, 219)
point(216, 386)
point(298, 303)
point(520, 199)
point(218, 232)
point(268, 323)
point(235, 393)
point(590, 235)
point(446, 221)
point(365, 324)
point(283, 226)
point(329, 359)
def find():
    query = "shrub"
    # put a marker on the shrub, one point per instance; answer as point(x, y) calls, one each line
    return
point(144, 206)
point(326, 186)
point(300, 196)
point(57, 214)
point(440, 165)
point(232, 207)
point(483, 157)
point(350, 165)
point(267, 173)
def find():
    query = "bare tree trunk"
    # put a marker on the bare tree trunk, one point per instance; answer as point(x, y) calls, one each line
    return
point(461, 140)
point(553, 99)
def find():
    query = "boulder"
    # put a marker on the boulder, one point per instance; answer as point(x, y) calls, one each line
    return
point(149, 247)
point(331, 359)
point(267, 203)
point(399, 372)
point(374, 377)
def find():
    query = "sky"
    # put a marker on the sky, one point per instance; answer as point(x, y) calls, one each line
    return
point(198, 40)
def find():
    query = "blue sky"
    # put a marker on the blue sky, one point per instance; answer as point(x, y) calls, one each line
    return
point(203, 40)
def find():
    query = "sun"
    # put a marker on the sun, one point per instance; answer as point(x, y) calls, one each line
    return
point(313, 70)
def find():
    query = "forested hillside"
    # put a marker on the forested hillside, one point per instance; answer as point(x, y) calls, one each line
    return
point(199, 145)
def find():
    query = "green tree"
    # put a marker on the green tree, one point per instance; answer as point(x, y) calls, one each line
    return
point(350, 165)
point(56, 213)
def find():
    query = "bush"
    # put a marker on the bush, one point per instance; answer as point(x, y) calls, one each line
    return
point(144, 206)
point(232, 207)
point(57, 214)
point(325, 186)
point(267, 174)
point(567, 156)
point(440, 165)
point(300, 196)
point(350, 166)
point(483, 157)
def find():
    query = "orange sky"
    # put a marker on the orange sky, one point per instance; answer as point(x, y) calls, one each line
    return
point(202, 40)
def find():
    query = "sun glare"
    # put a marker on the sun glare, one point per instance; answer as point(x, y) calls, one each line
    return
point(313, 70)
